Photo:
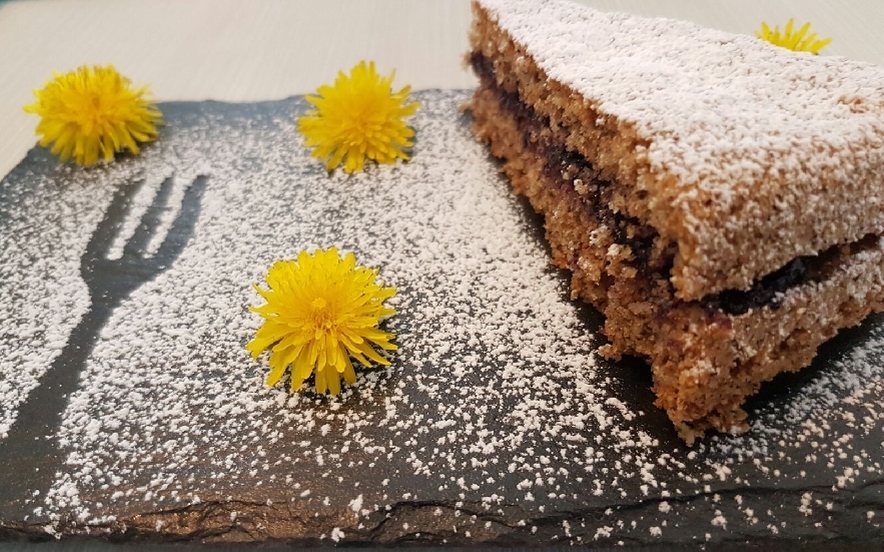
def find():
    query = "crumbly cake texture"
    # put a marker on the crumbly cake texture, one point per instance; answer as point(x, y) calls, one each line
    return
point(705, 361)
point(740, 154)
point(496, 423)
point(646, 211)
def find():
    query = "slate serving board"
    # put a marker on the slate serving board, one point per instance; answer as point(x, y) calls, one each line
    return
point(129, 408)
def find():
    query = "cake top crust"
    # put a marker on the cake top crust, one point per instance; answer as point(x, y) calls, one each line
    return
point(748, 154)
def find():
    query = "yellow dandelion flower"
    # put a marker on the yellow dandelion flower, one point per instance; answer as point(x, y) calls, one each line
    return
point(321, 310)
point(93, 111)
point(796, 41)
point(358, 118)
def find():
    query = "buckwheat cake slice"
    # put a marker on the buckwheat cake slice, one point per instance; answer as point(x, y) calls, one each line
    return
point(718, 198)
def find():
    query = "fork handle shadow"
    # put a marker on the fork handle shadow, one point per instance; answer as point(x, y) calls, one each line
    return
point(29, 452)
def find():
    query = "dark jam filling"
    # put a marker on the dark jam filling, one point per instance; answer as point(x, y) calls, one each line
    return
point(767, 292)
point(559, 162)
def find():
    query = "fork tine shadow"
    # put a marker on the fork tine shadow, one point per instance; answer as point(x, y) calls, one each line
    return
point(149, 222)
point(30, 453)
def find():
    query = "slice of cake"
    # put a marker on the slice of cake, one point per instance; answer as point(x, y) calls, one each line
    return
point(718, 198)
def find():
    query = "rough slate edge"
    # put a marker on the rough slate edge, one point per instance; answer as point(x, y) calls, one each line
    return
point(779, 493)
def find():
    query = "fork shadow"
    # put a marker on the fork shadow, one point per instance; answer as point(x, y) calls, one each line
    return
point(30, 452)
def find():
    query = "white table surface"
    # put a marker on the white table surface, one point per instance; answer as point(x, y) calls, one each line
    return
point(248, 50)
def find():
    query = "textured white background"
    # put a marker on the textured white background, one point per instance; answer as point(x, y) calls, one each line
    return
point(247, 50)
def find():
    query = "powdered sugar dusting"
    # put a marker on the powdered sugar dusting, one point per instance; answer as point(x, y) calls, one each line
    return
point(496, 417)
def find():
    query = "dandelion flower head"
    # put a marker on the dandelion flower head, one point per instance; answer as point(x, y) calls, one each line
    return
point(92, 112)
point(798, 41)
point(358, 118)
point(321, 311)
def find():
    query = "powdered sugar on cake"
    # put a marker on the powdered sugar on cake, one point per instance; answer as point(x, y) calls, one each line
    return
point(742, 140)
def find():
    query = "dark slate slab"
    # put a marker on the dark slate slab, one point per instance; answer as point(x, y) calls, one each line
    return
point(130, 410)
